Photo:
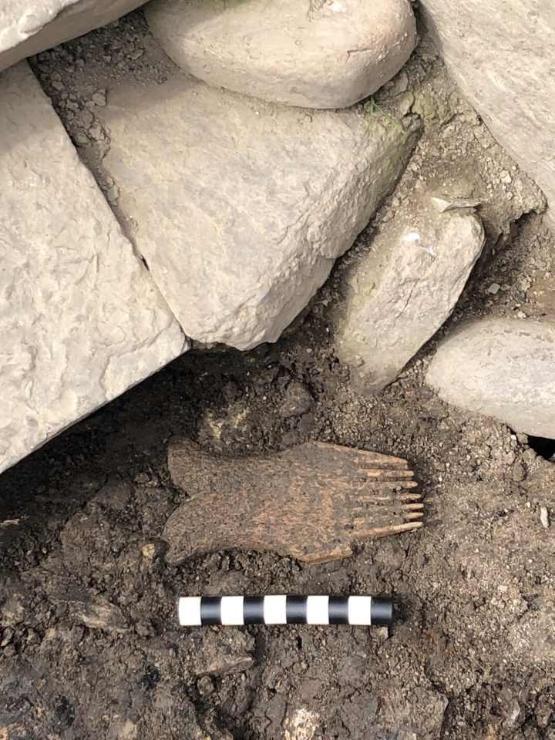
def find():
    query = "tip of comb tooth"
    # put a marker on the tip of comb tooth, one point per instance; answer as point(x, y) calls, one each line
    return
point(410, 497)
point(413, 507)
point(412, 515)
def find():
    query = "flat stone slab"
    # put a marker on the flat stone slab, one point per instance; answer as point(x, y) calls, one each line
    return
point(502, 55)
point(503, 368)
point(30, 26)
point(80, 318)
point(404, 287)
point(240, 207)
point(323, 54)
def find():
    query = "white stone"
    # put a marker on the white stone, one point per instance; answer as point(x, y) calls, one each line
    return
point(311, 53)
point(30, 26)
point(403, 288)
point(502, 55)
point(80, 318)
point(503, 368)
point(240, 207)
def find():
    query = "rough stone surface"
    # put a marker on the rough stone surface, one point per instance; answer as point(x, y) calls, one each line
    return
point(502, 55)
point(402, 290)
point(29, 26)
point(503, 368)
point(241, 207)
point(311, 53)
point(80, 318)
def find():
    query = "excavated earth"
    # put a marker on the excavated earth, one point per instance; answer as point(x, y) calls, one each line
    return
point(89, 646)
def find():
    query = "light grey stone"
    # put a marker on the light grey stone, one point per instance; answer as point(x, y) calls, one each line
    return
point(502, 55)
point(503, 368)
point(240, 207)
point(30, 26)
point(402, 290)
point(311, 53)
point(80, 318)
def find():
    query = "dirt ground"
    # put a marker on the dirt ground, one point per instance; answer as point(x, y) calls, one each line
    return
point(89, 645)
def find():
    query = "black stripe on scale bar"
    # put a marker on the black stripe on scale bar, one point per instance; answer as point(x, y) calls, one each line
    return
point(338, 610)
point(295, 609)
point(253, 610)
point(211, 610)
point(381, 611)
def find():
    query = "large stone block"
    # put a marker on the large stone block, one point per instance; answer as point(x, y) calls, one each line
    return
point(30, 26)
point(404, 287)
point(502, 55)
point(80, 318)
point(503, 368)
point(240, 207)
point(316, 53)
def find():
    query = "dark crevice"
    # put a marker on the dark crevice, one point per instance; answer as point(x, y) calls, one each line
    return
point(544, 447)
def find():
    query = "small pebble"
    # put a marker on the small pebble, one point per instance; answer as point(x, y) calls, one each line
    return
point(148, 551)
point(99, 98)
point(112, 194)
point(297, 400)
point(96, 133)
point(205, 686)
point(519, 472)
point(7, 636)
point(494, 288)
point(81, 139)
point(544, 517)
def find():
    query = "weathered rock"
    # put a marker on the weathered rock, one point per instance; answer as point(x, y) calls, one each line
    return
point(403, 289)
point(297, 400)
point(30, 26)
point(317, 54)
point(99, 614)
point(503, 57)
point(220, 653)
point(80, 318)
point(241, 207)
point(503, 368)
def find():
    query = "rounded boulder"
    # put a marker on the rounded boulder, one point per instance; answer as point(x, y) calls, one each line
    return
point(313, 54)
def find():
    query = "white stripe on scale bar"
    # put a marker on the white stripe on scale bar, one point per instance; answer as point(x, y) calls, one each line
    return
point(359, 608)
point(232, 610)
point(317, 610)
point(275, 609)
point(189, 611)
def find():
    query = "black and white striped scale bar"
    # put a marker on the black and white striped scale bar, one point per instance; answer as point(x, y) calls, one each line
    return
point(197, 611)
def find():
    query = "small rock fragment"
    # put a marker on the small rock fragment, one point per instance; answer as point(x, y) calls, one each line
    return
point(544, 517)
point(217, 653)
point(99, 98)
point(445, 203)
point(153, 550)
point(297, 400)
point(114, 495)
point(6, 636)
point(100, 614)
point(205, 686)
point(81, 139)
point(12, 611)
point(519, 472)
point(300, 724)
point(494, 288)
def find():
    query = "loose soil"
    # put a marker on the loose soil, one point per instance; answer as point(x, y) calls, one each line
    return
point(89, 645)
